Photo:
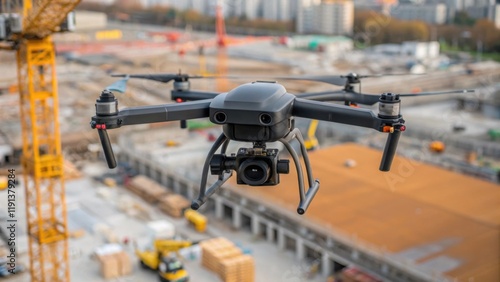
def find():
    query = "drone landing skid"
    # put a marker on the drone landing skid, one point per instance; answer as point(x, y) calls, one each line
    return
point(305, 198)
point(204, 193)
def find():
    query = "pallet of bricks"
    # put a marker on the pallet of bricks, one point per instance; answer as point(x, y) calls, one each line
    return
point(174, 204)
point(222, 257)
point(114, 263)
point(146, 188)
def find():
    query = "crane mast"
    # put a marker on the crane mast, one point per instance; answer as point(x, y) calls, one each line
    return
point(42, 159)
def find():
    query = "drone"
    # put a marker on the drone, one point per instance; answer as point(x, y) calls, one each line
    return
point(259, 112)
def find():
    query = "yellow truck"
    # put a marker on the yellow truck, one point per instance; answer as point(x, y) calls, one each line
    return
point(160, 258)
point(195, 218)
point(4, 182)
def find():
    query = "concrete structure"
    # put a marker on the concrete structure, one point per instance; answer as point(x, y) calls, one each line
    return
point(430, 13)
point(87, 20)
point(420, 50)
point(390, 225)
point(334, 17)
point(413, 49)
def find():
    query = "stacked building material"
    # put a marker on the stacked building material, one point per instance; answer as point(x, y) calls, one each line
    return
point(114, 264)
point(146, 188)
point(238, 269)
point(224, 258)
point(70, 170)
point(174, 204)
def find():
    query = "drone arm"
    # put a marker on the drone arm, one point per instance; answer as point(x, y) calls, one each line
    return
point(108, 117)
point(355, 116)
point(336, 113)
point(182, 95)
point(167, 112)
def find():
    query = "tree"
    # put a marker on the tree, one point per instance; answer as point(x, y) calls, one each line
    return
point(485, 31)
point(375, 28)
point(462, 18)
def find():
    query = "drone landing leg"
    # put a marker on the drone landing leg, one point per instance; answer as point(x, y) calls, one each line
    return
point(305, 198)
point(204, 193)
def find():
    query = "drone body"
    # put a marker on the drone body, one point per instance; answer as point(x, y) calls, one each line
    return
point(257, 112)
point(254, 112)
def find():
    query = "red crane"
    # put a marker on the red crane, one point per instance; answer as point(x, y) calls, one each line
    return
point(221, 40)
point(220, 27)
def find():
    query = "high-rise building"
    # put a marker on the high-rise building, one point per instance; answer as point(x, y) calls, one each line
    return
point(326, 17)
point(336, 17)
point(430, 13)
point(277, 10)
point(251, 9)
point(305, 15)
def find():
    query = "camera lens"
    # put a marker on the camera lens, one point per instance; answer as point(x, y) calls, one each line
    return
point(254, 172)
point(265, 119)
point(220, 117)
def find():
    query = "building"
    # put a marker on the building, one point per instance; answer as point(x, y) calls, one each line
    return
point(305, 15)
point(430, 13)
point(491, 12)
point(278, 10)
point(496, 16)
point(250, 9)
point(335, 17)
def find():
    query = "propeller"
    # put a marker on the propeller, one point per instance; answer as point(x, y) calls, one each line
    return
point(162, 77)
point(330, 79)
point(339, 80)
point(119, 86)
point(367, 99)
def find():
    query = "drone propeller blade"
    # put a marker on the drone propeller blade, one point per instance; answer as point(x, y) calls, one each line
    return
point(436, 93)
point(324, 96)
point(388, 74)
point(161, 77)
point(342, 96)
point(119, 86)
point(367, 99)
point(330, 79)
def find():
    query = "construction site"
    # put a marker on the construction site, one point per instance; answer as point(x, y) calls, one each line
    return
point(66, 216)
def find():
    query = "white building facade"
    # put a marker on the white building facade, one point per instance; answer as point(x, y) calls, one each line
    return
point(334, 17)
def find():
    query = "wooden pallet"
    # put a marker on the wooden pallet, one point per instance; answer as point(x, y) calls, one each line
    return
point(173, 204)
point(224, 258)
point(146, 188)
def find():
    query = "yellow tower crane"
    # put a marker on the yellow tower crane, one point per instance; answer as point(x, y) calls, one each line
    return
point(27, 26)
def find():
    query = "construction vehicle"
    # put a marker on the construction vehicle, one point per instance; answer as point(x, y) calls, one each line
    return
point(437, 146)
point(161, 259)
point(311, 143)
point(198, 220)
point(4, 183)
point(26, 28)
